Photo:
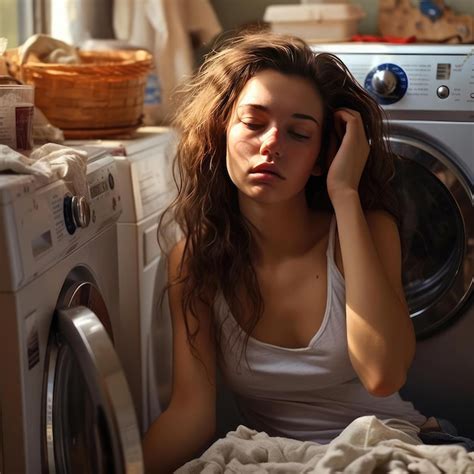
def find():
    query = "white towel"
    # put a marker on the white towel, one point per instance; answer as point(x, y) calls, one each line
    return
point(49, 161)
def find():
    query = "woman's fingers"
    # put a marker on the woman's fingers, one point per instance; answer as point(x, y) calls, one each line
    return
point(349, 161)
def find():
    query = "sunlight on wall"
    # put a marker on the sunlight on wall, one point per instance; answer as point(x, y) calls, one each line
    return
point(63, 16)
point(9, 22)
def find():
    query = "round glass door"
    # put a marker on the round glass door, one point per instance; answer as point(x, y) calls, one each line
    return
point(436, 233)
point(89, 420)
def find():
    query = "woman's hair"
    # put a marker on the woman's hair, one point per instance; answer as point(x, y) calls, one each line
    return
point(218, 240)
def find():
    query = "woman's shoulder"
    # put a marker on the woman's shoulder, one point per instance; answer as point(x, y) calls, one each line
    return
point(177, 250)
point(176, 260)
point(179, 269)
point(381, 221)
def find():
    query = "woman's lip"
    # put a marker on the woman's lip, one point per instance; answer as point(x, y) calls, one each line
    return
point(265, 172)
point(264, 176)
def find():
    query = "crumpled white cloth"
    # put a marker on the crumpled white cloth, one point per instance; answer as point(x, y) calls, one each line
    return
point(48, 50)
point(48, 161)
point(368, 445)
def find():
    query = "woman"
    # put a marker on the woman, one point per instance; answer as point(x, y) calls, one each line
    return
point(289, 271)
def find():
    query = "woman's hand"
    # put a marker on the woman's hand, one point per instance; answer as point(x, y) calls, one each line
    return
point(345, 169)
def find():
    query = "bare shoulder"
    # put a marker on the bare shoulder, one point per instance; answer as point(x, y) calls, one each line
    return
point(381, 221)
point(386, 238)
point(384, 230)
point(175, 260)
point(178, 273)
point(379, 214)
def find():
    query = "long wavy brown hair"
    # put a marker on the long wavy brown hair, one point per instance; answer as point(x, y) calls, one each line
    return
point(218, 240)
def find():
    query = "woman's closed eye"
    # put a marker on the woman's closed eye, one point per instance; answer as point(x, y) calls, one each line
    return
point(252, 125)
point(299, 135)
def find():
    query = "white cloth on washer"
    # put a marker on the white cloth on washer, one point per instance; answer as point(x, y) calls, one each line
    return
point(48, 161)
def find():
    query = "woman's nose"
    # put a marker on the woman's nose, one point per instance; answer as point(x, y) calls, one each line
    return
point(271, 145)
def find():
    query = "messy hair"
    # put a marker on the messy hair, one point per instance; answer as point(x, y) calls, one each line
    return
point(218, 240)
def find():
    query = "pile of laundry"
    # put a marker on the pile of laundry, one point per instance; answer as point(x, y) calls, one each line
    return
point(368, 445)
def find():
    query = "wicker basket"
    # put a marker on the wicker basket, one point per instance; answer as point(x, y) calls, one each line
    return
point(105, 91)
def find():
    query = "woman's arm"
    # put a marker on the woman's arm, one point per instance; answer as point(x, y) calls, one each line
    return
point(380, 334)
point(188, 424)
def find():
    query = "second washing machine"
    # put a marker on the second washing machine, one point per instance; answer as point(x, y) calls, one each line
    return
point(427, 93)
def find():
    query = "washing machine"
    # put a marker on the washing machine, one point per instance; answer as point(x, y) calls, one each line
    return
point(427, 93)
point(65, 404)
point(144, 175)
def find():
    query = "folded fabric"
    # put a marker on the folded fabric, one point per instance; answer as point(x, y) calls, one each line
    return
point(49, 161)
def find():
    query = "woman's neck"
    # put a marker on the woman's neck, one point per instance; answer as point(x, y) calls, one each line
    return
point(282, 230)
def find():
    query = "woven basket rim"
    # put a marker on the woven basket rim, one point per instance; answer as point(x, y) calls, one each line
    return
point(144, 60)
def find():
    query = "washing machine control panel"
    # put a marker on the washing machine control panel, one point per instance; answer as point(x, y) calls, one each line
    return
point(44, 223)
point(420, 82)
point(79, 211)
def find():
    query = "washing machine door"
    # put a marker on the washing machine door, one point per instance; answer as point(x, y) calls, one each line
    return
point(437, 231)
point(90, 423)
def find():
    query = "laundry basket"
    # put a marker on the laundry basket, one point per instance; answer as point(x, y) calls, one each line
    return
point(102, 94)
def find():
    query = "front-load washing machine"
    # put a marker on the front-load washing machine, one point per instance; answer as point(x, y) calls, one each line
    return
point(144, 175)
point(427, 92)
point(65, 404)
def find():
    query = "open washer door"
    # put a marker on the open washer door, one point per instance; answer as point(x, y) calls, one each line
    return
point(89, 424)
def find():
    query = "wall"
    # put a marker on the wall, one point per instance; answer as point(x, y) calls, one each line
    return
point(9, 21)
point(233, 13)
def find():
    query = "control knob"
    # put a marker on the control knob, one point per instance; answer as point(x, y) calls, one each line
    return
point(77, 212)
point(387, 83)
point(81, 211)
point(384, 82)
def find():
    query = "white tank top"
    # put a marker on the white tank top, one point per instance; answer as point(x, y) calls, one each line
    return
point(310, 393)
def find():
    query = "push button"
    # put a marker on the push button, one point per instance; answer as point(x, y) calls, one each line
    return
point(443, 92)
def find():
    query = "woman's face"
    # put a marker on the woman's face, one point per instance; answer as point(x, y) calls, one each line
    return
point(274, 137)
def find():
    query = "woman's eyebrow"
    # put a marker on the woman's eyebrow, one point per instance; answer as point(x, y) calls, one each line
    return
point(254, 106)
point(305, 117)
point(265, 109)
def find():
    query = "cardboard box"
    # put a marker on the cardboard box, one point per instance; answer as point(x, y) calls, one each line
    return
point(325, 22)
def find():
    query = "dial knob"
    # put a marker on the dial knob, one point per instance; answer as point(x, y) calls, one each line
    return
point(384, 82)
point(68, 215)
point(387, 83)
point(81, 211)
